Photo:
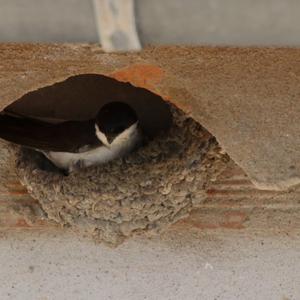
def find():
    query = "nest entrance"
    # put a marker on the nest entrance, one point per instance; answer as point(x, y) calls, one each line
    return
point(145, 191)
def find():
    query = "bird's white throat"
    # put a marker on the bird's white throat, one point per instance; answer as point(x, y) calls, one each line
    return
point(122, 138)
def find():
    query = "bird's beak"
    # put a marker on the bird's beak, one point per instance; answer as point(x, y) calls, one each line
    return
point(110, 138)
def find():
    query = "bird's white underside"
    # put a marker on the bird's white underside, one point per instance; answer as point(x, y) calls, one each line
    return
point(121, 145)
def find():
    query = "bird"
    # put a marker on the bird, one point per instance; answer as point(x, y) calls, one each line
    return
point(73, 145)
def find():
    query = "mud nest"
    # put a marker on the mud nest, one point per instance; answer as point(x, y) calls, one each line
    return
point(144, 192)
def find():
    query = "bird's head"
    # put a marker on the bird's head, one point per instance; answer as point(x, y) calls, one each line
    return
point(115, 122)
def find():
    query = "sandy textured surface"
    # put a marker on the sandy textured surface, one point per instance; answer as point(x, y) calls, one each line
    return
point(176, 265)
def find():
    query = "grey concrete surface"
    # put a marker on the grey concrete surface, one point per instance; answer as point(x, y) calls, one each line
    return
point(179, 265)
point(210, 22)
point(201, 22)
point(47, 21)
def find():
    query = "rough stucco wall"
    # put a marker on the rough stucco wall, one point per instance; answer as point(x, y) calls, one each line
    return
point(176, 265)
point(246, 97)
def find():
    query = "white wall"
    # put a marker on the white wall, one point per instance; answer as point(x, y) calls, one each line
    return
point(180, 265)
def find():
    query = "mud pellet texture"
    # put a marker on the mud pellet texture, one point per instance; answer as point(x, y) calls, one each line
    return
point(144, 192)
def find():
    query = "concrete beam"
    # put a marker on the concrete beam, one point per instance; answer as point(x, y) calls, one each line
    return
point(246, 97)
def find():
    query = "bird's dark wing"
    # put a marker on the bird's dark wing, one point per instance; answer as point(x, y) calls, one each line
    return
point(63, 137)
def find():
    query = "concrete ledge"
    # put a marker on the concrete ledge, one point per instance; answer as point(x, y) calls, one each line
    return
point(246, 97)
